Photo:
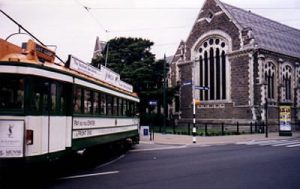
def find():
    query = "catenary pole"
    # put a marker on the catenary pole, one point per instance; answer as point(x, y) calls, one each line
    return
point(164, 96)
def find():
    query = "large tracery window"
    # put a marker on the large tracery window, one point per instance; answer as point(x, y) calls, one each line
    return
point(270, 79)
point(287, 82)
point(212, 64)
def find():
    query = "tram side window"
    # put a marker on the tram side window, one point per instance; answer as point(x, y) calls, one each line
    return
point(96, 103)
point(53, 96)
point(130, 109)
point(87, 101)
point(77, 100)
point(109, 104)
point(136, 113)
point(61, 98)
point(120, 105)
point(35, 104)
point(115, 106)
point(124, 107)
point(103, 104)
point(11, 94)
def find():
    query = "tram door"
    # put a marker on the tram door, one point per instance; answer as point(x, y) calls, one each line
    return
point(54, 109)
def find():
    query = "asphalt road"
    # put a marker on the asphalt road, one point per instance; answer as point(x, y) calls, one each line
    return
point(227, 166)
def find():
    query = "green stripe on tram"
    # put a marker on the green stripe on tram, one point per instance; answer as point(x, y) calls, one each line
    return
point(81, 143)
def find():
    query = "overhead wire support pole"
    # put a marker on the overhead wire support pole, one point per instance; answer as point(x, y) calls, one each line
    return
point(29, 33)
point(106, 54)
point(164, 96)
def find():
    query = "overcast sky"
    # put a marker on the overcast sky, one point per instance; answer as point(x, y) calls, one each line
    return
point(73, 28)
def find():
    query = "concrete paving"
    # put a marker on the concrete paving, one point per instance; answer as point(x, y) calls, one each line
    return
point(172, 139)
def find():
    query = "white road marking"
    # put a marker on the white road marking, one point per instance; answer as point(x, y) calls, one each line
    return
point(159, 148)
point(111, 162)
point(273, 142)
point(294, 145)
point(288, 143)
point(89, 175)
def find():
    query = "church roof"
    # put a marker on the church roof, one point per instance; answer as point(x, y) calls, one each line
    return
point(268, 34)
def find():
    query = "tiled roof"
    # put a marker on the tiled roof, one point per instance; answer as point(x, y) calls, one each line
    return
point(268, 34)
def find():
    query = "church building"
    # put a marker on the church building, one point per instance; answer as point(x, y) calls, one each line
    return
point(250, 65)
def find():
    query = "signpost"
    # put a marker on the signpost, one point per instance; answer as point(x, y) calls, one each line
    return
point(194, 110)
point(195, 102)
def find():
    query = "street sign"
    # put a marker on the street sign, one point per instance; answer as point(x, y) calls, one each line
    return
point(187, 82)
point(197, 102)
point(152, 102)
point(201, 88)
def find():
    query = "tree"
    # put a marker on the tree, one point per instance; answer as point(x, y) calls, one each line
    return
point(132, 59)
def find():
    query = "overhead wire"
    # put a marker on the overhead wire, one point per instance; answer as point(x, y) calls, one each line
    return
point(88, 9)
point(187, 8)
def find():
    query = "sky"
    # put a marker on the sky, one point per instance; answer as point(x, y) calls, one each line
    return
point(73, 25)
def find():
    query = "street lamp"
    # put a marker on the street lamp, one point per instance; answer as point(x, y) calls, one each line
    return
point(265, 83)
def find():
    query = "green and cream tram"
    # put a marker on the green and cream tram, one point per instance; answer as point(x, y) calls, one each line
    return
point(48, 109)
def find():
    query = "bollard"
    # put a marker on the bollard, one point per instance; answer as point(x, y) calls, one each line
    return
point(194, 134)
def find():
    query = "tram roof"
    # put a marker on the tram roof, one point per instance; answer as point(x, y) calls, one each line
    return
point(12, 53)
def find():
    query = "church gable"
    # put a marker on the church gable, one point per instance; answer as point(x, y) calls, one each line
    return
point(265, 33)
point(212, 19)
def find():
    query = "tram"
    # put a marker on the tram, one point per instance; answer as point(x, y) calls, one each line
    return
point(50, 109)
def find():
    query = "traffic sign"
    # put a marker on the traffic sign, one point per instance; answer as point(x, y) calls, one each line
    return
point(197, 102)
point(201, 88)
point(187, 82)
point(153, 103)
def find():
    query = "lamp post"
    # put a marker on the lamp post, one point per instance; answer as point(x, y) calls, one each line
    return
point(266, 107)
point(265, 83)
point(165, 95)
point(106, 54)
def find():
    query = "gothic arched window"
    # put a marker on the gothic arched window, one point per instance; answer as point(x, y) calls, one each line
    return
point(287, 82)
point(212, 65)
point(270, 79)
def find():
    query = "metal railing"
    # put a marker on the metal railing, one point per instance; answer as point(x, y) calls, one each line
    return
point(218, 129)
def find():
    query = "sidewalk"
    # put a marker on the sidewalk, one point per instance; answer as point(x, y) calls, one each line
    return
point(210, 140)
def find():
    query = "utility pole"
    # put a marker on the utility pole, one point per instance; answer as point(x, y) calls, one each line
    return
point(266, 85)
point(106, 55)
point(164, 95)
point(266, 109)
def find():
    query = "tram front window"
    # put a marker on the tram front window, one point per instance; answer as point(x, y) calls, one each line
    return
point(11, 94)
